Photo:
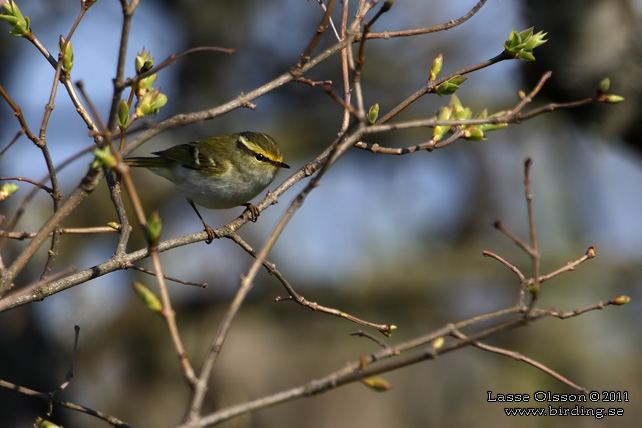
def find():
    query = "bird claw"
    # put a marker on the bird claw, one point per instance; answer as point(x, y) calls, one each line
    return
point(211, 234)
point(254, 212)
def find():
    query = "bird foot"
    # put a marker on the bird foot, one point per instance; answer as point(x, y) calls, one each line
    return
point(254, 212)
point(211, 234)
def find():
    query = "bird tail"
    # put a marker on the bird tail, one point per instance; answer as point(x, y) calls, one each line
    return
point(147, 162)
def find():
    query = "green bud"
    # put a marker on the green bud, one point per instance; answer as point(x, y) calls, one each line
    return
point(43, 423)
point(435, 69)
point(373, 114)
point(21, 24)
point(513, 38)
point(612, 99)
point(151, 103)
point(154, 228)
point(144, 62)
point(438, 342)
point(387, 5)
point(148, 297)
point(531, 44)
point(104, 158)
point(527, 33)
point(520, 45)
point(533, 289)
point(439, 131)
point(114, 225)
point(459, 111)
point(444, 89)
point(146, 84)
point(123, 114)
point(473, 133)
point(536, 40)
point(491, 126)
point(455, 102)
point(463, 113)
point(450, 86)
point(7, 190)
point(621, 300)
point(457, 80)
point(68, 57)
point(526, 56)
point(388, 329)
point(605, 84)
point(376, 384)
point(445, 113)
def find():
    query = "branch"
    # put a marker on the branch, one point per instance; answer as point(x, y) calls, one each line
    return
point(519, 357)
point(442, 27)
point(112, 420)
point(394, 357)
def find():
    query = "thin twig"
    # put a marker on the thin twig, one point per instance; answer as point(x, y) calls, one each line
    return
point(112, 420)
point(26, 200)
point(519, 357)
point(347, 64)
point(43, 282)
point(313, 83)
point(169, 278)
point(442, 27)
point(577, 312)
point(171, 60)
point(128, 10)
point(385, 329)
point(40, 184)
point(590, 253)
point(536, 256)
point(17, 112)
point(169, 316)
point(305, 56)
point(325, 9)
point(11, 142)
point(345, 104)
point(516, 271)
point(72, 365)
point(431, 85)
point(516, 239)
point(367, 335)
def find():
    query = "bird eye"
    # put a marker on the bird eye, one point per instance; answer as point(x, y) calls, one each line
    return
point(259, 157)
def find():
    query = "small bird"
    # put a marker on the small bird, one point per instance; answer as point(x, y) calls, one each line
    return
point(218, 172)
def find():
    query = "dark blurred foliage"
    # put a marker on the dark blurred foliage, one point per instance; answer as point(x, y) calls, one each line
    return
point(590, 40)
point(30, 359)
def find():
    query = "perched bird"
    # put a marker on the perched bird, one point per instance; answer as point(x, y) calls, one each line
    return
point(218, 172)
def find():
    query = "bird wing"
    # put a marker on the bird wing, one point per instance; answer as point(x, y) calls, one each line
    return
point(195, 155)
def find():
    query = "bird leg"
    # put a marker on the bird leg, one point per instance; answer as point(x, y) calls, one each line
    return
point(210, 232)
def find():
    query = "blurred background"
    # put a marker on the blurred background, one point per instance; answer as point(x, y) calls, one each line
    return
point(385, 238)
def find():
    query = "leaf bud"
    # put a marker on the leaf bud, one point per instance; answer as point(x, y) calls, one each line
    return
point(377, 384)
point(373, 114)
point(435, 69)
point(148, 297)
point(7, 190)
